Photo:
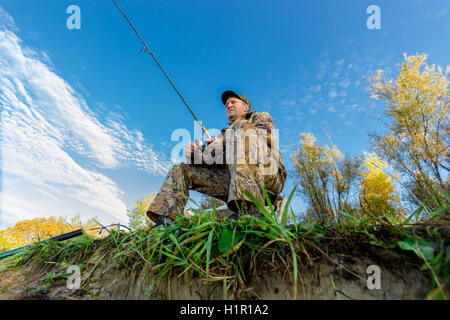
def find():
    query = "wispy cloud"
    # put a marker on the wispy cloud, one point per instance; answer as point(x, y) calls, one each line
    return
point(441, 12)
point(332, 94)
point(345, 83)
point(6, 21)
point(334, 97)
point(53, 145)
point(331, 109)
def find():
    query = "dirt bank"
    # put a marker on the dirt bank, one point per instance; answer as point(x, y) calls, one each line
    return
point(399, 279)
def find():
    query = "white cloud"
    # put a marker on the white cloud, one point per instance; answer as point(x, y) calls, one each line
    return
point(441, 12)
point(332, 94)
point(6, 21)
point(322, 69)
point(287, 103)
point(349, 123)
point(339, 63)
point(345, 83)
point(52, 142)
point(316, 88)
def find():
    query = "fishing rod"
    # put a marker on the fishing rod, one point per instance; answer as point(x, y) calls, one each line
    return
point(60, 237)
point(198, 141)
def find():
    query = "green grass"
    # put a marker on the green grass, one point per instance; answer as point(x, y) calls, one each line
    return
point(227, 252)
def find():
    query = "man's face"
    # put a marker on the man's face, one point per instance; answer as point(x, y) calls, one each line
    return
point(235, 108)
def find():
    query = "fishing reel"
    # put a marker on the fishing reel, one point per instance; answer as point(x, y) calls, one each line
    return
point(200, 144)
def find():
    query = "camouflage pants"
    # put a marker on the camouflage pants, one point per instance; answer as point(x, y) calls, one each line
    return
point(214, 181)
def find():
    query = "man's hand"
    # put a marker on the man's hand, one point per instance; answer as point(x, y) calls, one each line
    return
point(215, 143)
point(213, 153)
point(189, 151)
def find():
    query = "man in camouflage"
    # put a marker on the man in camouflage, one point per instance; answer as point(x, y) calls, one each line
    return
point(241, 158)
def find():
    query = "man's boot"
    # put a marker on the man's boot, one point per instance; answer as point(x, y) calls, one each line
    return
point(246, 208)
point(163, 221)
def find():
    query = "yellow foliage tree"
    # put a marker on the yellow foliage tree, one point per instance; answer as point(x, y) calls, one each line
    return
point(416, 142)
point(138, 215)
point(27, 231)
point(325, 178)
point(379, 199)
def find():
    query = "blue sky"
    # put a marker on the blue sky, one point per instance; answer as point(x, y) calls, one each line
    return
point(87, 117)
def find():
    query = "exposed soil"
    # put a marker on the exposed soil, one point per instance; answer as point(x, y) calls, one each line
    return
point(400, 279)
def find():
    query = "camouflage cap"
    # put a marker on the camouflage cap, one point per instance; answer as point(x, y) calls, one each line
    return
point(227, 94)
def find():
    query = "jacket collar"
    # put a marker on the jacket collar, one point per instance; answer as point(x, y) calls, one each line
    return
point(245, 116)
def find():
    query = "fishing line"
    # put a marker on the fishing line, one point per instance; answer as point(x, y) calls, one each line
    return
point(162, 69)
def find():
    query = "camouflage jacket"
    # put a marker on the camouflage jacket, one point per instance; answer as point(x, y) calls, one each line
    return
point(258, 120)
